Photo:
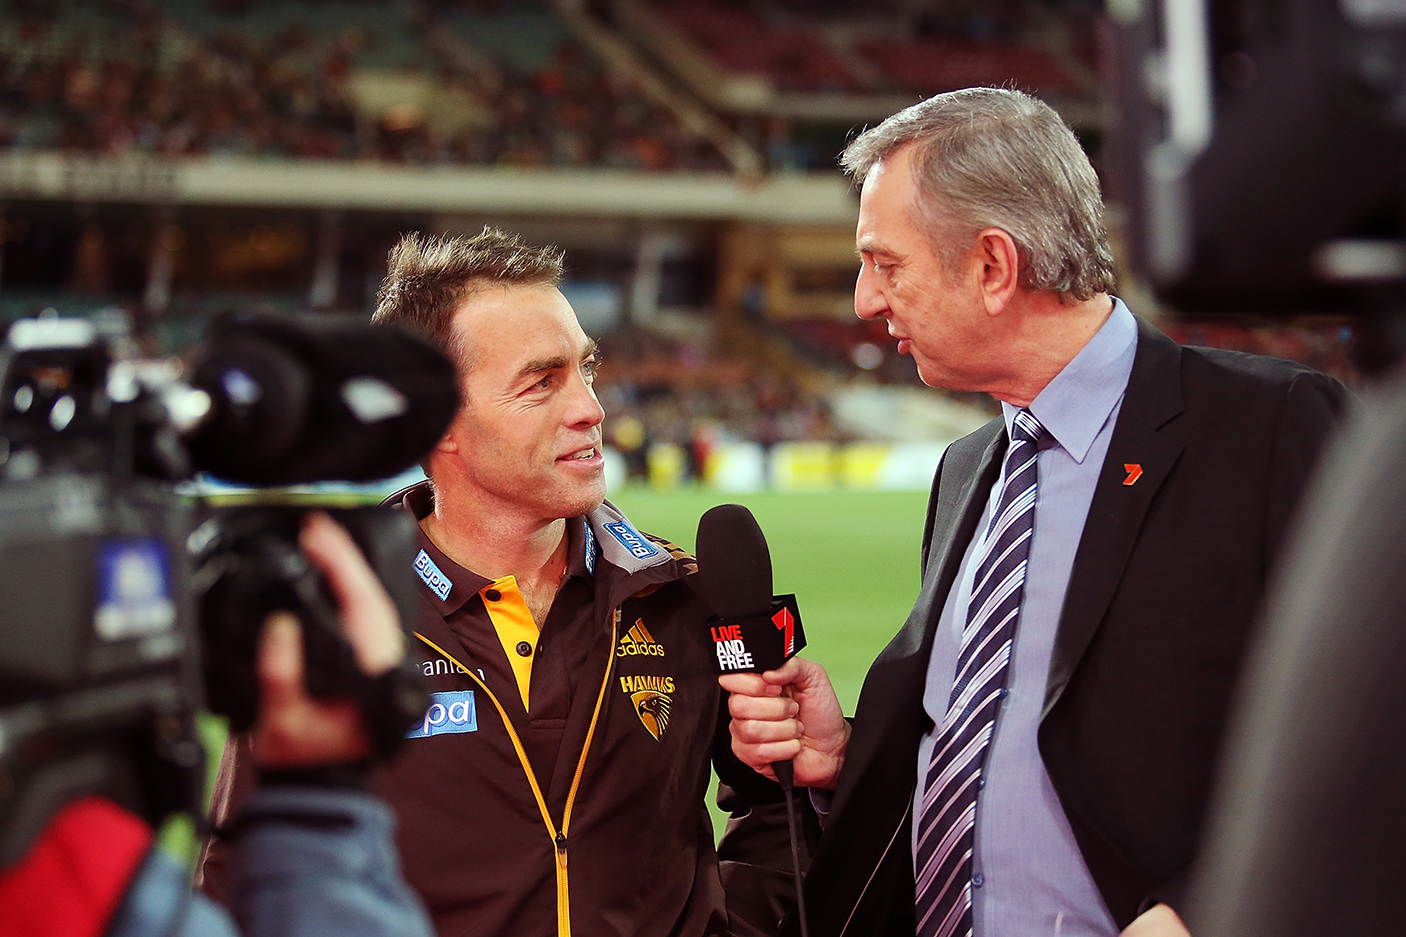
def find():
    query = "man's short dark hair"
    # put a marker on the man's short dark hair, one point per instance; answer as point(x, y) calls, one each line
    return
point(430, 277)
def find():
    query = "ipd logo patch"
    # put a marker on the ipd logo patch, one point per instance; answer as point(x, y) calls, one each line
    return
point(632, 539)
point(449, 713)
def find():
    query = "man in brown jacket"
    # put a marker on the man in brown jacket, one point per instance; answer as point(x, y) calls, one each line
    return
point(557, 781)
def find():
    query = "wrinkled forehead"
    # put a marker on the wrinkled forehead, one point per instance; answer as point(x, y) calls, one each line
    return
point(498, 317)
point(503, 331)
point(892, 212)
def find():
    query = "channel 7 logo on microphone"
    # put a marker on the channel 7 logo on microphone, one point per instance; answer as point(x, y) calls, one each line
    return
point(761, 643)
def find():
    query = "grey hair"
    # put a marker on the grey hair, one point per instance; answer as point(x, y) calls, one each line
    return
point(998, 158)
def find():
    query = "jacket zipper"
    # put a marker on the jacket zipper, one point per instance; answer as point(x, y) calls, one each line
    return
point(558, 836)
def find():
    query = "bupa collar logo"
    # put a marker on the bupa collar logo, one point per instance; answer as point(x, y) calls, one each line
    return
point(431, 576)
point(632, 540)
point(450, 712)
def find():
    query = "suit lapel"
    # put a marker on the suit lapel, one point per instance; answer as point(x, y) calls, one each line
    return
point(1144, 443)
point(879, 768)
point(894, 691)
point(968, 472)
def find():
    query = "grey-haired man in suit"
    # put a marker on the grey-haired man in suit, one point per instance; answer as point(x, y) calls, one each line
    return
point(1031, 754)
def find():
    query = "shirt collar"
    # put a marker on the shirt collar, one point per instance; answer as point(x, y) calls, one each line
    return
point(580, 548)
point(1075, 405)
point(419, 501)
point(432, 566)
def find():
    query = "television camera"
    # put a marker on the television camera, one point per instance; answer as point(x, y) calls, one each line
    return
point(120, 616)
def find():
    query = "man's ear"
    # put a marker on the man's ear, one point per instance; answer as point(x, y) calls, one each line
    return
point(449, 442)
point(439, 457)
point(1000, 268)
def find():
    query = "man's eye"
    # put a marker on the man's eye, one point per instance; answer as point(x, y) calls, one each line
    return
point(589, 368)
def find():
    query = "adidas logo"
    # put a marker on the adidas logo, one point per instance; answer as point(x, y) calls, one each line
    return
point(638, 642)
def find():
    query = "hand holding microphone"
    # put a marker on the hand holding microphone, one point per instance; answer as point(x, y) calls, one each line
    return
point(788, 713)
point(754, 634)
point(780, 711)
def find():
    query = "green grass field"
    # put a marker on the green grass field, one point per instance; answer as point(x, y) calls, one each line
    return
point(850, 557)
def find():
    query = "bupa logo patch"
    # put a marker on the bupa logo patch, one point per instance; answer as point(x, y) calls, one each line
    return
point(450, 712)
point(632, 540)
point(431, 576)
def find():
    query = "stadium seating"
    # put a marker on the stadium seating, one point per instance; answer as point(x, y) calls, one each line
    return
point(930, 65)
point(500, 97)
point(795, 58)
point(301, 79)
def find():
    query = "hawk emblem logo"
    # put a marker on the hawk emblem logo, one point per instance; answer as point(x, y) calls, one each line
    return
point(653, 709)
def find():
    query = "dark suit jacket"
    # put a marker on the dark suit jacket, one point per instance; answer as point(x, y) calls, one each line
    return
point(1164, 589)
point(1307, 835)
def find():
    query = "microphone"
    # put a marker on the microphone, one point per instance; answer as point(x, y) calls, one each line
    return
point(755, 631)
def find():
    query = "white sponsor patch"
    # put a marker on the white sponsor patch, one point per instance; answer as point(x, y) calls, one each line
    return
point(431, 576)
point(632, 539)
point(450, 712)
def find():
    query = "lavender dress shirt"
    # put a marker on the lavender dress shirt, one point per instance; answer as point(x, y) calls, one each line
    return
point(1029, 878)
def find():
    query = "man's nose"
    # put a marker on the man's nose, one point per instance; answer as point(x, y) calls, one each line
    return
point(868, 298)
point(584, 409)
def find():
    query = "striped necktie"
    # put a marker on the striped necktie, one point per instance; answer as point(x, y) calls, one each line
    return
point(947, 819)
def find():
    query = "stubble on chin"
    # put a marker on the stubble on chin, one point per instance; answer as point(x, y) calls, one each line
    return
point(583, 499)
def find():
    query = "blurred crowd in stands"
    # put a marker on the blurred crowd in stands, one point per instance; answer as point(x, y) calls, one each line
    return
point(851, 345)
point(827, 47)
point(512, 83)
point(865, 348)
point(659, 390)
point(290, 79)
point(1324, 346)
point(483, 82)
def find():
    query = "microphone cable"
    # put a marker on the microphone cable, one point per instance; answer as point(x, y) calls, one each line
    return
point(786, 776)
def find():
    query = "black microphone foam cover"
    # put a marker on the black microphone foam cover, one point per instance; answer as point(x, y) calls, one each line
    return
point(298, 399)
point(734, 564)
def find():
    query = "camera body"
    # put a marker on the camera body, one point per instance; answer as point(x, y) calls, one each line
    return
point(101, 669)
point(119, 618)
